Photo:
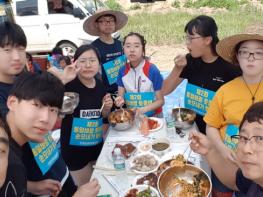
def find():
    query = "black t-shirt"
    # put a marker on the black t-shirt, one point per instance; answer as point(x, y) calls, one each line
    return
point(107, 53)
point(16, 181)
point(4, 92)
point(76, 157)
point(209, 76)
point(247, 187)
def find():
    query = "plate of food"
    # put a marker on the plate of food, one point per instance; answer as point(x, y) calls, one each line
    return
point(127, 149)
point(150, 179)
point(147, 125)
point(144, 163)
point(140, 190)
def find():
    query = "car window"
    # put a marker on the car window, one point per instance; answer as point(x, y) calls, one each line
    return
point(60, 7)
point(26, 8)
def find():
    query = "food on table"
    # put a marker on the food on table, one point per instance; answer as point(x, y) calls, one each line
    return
point(121, 116)
point(148, 124)
point(149, 179)
point(186, 116)
point(153, 124)
point(127, 149)
point(145, 146)
point(144, 193)
point(144, 163)
point(179, 161)
point(180, 187)
point(160, 146)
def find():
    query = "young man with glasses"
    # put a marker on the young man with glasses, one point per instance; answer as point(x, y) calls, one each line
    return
point(246, 175)
point(103, 23)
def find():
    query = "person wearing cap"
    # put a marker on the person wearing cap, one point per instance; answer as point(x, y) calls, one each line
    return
point(233, 99)
point(247, 175)
point(103, 23)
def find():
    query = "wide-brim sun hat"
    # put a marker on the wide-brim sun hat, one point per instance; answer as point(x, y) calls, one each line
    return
point(226, 47)
point(89, 25)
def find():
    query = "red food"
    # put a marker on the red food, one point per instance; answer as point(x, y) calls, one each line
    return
point(152, 178)
point(153, 124)
point(132, 193)
point(126, 149)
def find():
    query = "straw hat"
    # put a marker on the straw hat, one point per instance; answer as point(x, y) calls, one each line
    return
point(226, 47)
point(90, 27)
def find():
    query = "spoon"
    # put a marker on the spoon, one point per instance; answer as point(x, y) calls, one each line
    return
point(102, 107)
point(122, 115)
point(179, 111)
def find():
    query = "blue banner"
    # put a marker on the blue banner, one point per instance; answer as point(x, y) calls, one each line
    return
point(197, 98)
point(138, 100)
point(86, 132)
point(230, 130)
point(45, 154)
point(112, 68)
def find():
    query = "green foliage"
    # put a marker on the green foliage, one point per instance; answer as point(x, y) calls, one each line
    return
point(168, 28)
point(113, 4)
point(228, 4)
point(176, 4)
point(135, 6)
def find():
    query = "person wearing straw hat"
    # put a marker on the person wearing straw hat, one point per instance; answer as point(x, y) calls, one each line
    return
point(233, 99)
point(247, 175)
point(103, 23)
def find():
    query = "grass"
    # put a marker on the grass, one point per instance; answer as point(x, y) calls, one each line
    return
point(168, 28)
point(113, 4)
point(228, 4)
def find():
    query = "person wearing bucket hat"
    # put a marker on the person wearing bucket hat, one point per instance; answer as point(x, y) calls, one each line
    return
point(103, 23)
point(202, 67)
point(234, 98)
point(247, 175)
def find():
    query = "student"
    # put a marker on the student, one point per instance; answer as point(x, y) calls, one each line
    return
point(33, 110)
point(12, 62)
point(234, 98)
point(247, 175)
point(81, 146)
point(202, 67)
point(64, 61)
point(103, 23)
point(139, 82)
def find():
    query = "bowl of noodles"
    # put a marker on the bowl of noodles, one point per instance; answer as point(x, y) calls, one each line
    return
point(184, 181)
point(121, 119)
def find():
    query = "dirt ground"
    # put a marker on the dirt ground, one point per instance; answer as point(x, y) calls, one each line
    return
point(163, 56)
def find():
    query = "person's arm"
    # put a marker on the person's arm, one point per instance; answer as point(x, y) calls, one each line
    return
point(173, 80)
point(224, 169)
point(90, 189)
point(155, 105)
point(214, 135)
point(119, 101)
point(107, 101)
point(44, 187)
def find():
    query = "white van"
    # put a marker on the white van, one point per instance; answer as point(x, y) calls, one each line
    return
point(45, 29)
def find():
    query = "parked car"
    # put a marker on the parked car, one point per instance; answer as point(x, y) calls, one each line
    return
point(46, 29)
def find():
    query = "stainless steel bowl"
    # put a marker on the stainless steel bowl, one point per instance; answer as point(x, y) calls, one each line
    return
point(185, 119)
point(119, 123)
point(169, 182)
point(70, 102)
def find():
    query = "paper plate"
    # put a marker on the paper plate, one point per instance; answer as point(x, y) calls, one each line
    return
point(160, 122)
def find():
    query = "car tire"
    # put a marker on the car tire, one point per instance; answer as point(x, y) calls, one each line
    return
point(68, 48)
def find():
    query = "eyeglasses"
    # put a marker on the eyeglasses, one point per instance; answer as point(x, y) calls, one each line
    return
point(256, 141)
point(84, 61)
point(190, 38)
point(246, 54)
point(106, 22)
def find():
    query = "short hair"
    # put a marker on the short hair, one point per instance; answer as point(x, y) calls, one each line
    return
point(83, 49)
point(44, 87)
point(204, 26)
point(253, 114)
point(4, 125)
point(12, 34)
point(29, 56)
point(65, 58)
